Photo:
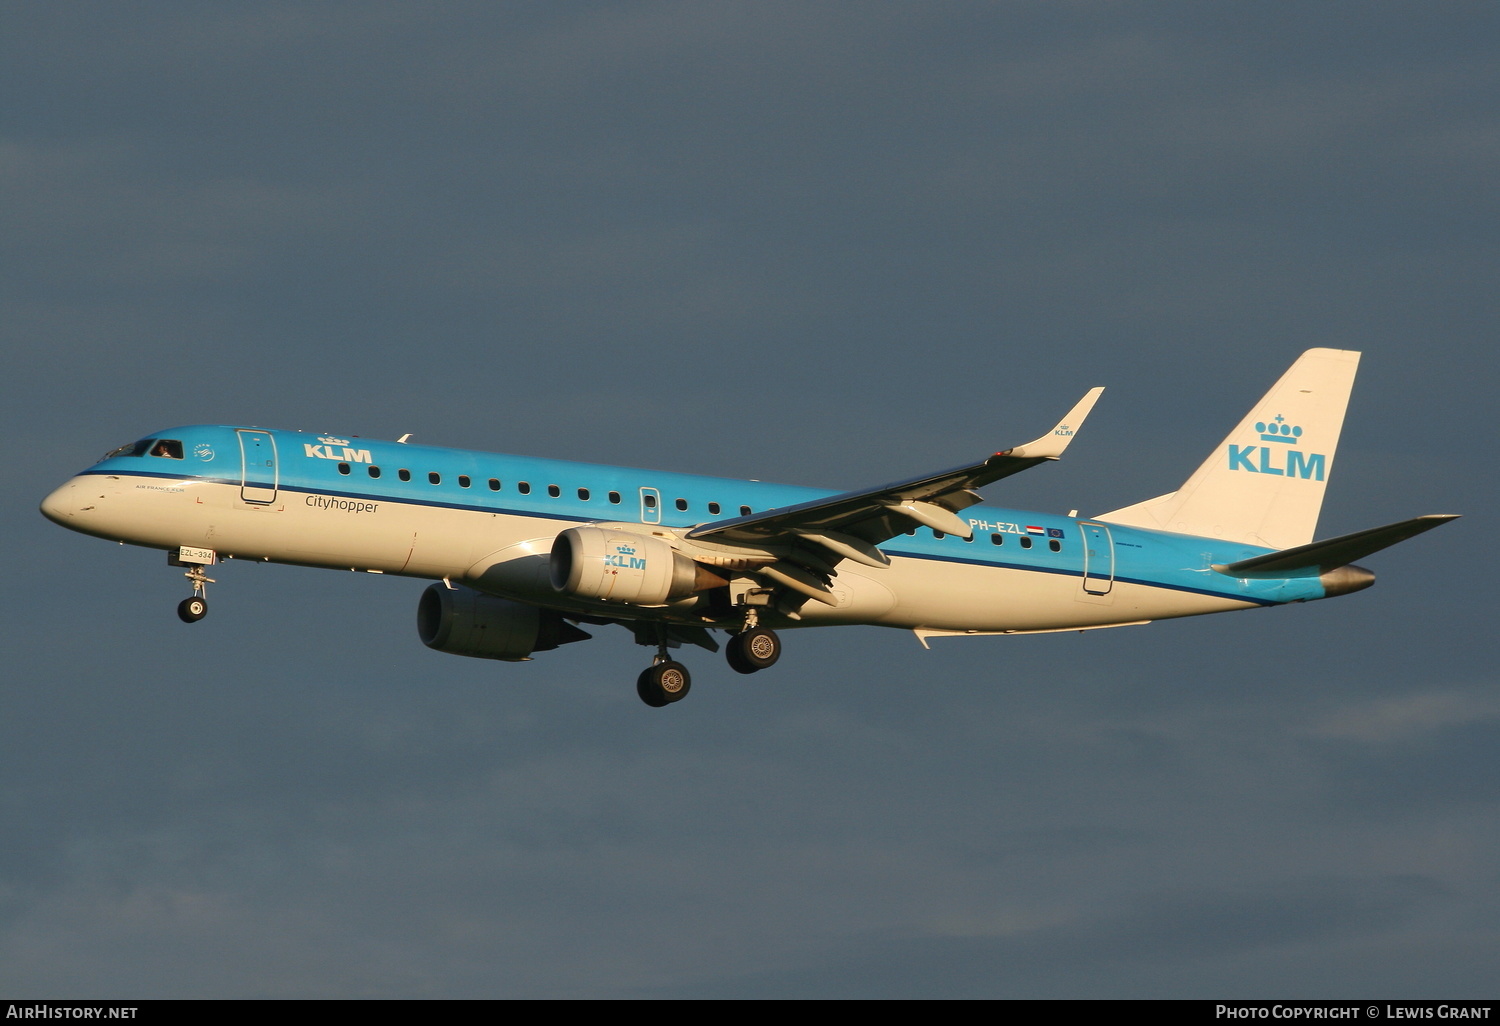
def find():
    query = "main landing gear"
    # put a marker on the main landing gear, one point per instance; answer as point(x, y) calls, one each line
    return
point(663, 683)
point(667, 681)
point(752, 650)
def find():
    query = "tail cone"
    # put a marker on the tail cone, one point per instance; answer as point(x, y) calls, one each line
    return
point(1342, 580)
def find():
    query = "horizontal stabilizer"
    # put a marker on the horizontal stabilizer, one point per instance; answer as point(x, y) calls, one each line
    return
point(1315, 558)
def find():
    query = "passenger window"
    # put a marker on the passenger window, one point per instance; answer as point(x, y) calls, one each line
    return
point(682, 505)
point(1055, 545)
point(494, 484)
point(463, 480)
point(998, 539)
point(404, 474)
point(650, 500)
point(344, 469)
point(744, 511)
point(938, 535)
point(554, 491)
point(614, 497)
point(374, 471)
point(713, 509)
point(583, 493)
point(435, 478)
point(523, 487)
point(1025, 542)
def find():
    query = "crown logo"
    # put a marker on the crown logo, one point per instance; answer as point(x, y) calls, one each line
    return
point(625, 550)
point(1278, 430)
point(330, 440)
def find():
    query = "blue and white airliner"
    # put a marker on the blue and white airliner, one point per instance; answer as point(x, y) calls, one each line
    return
point(526, 550)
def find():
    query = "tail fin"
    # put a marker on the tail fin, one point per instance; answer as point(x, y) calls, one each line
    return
point(1264, 484)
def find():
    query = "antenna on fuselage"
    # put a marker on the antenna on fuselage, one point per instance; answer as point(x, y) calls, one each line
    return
point(403, 438)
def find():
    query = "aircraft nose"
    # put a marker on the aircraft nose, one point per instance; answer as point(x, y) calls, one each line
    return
point(64, 504)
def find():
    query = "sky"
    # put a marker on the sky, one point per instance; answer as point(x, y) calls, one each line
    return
point(826, 244)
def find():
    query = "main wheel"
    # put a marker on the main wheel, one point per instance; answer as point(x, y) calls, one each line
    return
point(649, 690)
point(191, 610)
point(735, 656)
point(673, 679)
point(753, 650)
point(663, 684)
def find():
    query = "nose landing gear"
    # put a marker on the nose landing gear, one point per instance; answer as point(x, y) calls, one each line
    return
point(191, 610)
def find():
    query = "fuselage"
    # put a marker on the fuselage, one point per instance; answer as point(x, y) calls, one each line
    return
point(488, 521)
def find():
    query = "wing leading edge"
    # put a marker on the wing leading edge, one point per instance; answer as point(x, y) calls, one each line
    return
point(851, 525)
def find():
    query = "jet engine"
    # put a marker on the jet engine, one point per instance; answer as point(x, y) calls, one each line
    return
point(462, 621)
point(620, 566)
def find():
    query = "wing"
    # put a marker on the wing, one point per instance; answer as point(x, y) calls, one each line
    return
point(852, 525)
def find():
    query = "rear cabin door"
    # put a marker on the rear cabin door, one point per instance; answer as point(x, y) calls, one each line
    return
point(1098, 559)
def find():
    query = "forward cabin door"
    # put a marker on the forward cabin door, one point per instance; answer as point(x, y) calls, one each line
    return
point(258, 476)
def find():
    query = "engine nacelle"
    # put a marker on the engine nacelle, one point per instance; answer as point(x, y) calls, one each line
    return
point(462, 621)
point(620, 566)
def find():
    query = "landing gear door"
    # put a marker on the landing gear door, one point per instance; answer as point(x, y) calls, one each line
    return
point(1098, 559)
point(258, 475)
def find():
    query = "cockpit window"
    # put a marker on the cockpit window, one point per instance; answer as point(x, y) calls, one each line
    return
point(133, 449)
point(171, 448)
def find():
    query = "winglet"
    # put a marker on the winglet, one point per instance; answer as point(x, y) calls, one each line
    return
point(1051, 445)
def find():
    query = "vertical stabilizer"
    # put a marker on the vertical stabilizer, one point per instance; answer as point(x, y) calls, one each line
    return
point(1264, 484)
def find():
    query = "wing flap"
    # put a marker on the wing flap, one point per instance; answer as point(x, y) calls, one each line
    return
point(846, 545)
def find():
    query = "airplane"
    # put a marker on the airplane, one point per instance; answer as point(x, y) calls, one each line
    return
point(524, 551)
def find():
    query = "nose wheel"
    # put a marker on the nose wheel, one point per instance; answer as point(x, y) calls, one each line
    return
point(191, 610)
